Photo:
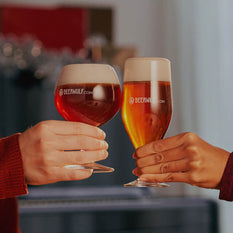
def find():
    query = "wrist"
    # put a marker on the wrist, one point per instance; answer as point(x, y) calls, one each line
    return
point(226, 184)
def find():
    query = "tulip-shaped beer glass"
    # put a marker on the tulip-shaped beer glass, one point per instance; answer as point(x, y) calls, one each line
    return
point(147, 103)
point(88, 93)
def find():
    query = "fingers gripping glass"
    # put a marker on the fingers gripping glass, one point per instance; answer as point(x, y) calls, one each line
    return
point(147, 103)
point(88, 93)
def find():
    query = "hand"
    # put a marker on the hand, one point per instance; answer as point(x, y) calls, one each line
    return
point(49, 145)
point(182, 158)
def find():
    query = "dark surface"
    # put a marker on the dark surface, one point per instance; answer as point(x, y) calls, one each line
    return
point(115, 209)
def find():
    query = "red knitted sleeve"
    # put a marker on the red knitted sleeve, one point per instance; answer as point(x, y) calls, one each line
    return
point(226, 186)
point(12, 180)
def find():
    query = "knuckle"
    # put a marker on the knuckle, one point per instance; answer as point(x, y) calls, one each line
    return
point(175, 166)
point(42, 145)
point(190, 137)
point(42, 127)
point(164, 167)
point(195, 177)
point(169, 177)
point(193, 152)
point(194, 165)
point(157, 146)
point(159, 157)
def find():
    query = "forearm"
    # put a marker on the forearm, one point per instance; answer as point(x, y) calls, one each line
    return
point(12, 180)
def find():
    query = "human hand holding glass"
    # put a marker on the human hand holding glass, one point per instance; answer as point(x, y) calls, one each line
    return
point(147, 103)
point(88, 93)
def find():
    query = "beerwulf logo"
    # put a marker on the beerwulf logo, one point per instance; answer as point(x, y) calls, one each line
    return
point(74, 91)
point(143, 100)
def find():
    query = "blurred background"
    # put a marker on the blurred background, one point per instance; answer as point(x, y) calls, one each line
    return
point(38, 38)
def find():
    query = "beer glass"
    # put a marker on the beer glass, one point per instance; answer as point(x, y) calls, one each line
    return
point(147, 103)
point(88, 93)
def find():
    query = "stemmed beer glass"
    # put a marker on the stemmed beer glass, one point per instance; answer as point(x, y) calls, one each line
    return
point(147, 103)
point(88, 93)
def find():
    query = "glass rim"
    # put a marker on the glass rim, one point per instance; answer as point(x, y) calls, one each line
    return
point(88, 64)
point(150, 59)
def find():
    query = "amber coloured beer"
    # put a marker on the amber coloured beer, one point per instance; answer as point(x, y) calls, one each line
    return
point(91, 103)
point(147, 103)
point(146, 115)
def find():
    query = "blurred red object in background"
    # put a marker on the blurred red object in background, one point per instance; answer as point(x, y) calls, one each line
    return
point(56, 28)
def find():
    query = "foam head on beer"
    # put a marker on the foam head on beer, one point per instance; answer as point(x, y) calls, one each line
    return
point(147, 69)
point(91, 73)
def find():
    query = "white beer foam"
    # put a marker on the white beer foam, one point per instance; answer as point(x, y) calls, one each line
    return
point(87, 73)
point(147, 69)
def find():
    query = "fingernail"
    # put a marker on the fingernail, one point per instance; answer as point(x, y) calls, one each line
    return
point(104, 144)
point(134, 155)
point(137, 172)
point(102, 133)
point(90, 170)
point(105, 154)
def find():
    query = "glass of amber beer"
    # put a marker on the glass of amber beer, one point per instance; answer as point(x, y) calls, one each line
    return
point(147, 103)
point(88, 93)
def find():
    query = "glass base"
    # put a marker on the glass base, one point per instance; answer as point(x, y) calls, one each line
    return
point(97, 168)
point(140, 183)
